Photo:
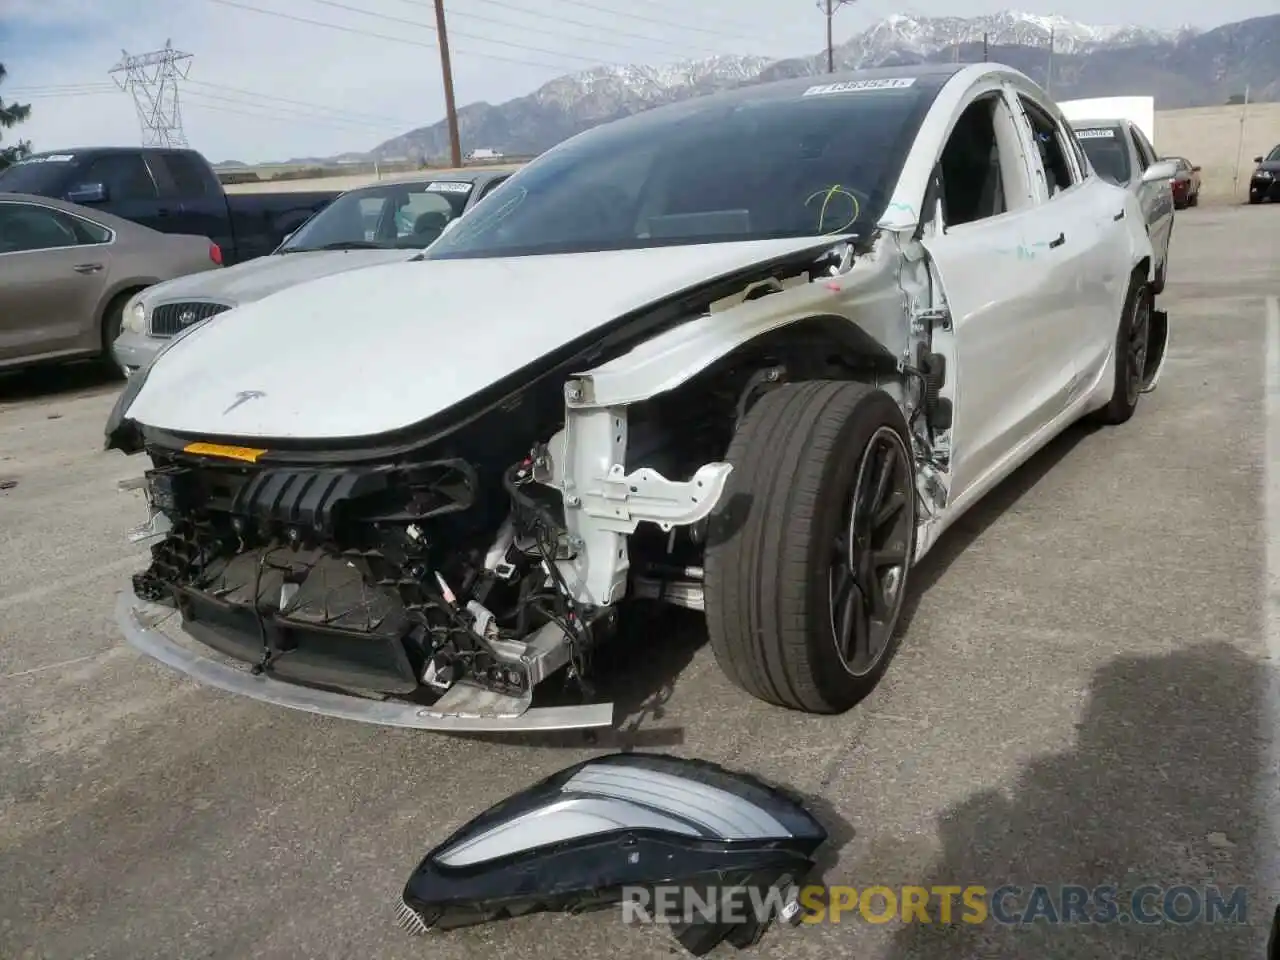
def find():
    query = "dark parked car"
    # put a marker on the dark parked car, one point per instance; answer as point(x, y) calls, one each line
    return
point(1265, 182)
point(173, 191)
point(1185, 183)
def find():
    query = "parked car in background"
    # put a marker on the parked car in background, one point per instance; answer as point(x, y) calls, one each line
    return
point(67, 271)
point(173, 191)
point(369, 225)
point(750, 354)
point(1265, 182)
point(1185, 183)
point(1119, 151)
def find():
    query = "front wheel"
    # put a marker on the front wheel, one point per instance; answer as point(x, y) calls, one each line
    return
point(809, 550)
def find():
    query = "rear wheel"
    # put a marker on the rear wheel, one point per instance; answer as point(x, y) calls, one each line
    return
point(810, 548)
point(1132, 339)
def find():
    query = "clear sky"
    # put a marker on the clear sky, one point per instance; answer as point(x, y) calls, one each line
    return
point(265, 86)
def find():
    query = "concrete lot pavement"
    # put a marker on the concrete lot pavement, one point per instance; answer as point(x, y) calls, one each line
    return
point(1080, 699)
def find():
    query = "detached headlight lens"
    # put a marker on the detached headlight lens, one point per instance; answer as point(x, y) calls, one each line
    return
point(135, 318)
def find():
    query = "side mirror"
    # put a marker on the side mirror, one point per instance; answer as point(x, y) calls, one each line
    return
point(1160, 170)
point(1195, 169)
point(1257, 159)
point(87, 193)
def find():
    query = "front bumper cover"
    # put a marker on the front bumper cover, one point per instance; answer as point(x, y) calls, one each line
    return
point(156, 631)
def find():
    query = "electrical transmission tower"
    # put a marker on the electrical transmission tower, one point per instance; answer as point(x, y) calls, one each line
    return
point(153, 78)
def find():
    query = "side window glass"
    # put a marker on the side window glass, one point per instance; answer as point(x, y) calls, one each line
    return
point(490, 187)
point(188, 179)
point(125, 176)
point(1051, 147)
point(24, 227)
point(1082, 162)
point(973, 184)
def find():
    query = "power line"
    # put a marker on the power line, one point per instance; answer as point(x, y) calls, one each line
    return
point(390, 38)
point(703, 51)
point(336, 4)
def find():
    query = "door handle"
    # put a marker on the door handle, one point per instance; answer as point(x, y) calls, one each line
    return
point(1058, 241)
point(1119, 216)
point(87, 267)
point(163, 212)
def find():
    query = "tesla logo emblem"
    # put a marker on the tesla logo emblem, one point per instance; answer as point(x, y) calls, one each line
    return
point(186, 317)
point(244, 396)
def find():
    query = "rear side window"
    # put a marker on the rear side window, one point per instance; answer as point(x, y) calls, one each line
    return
point(1146, 152)
point(189, 178)
point(125, 176)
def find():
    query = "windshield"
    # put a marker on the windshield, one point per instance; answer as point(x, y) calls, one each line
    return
point(706, 171)
point(1274, 154)
point(397, 216)
point(39, 175)
point(1107, 152)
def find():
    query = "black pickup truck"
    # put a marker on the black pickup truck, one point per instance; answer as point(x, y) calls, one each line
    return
point(170, 190)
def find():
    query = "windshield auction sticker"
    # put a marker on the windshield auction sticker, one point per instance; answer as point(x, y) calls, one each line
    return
point(858, 86)
point(449, 186)
point(1097, 133)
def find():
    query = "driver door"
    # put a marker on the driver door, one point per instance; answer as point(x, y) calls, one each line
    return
point(1013, 361)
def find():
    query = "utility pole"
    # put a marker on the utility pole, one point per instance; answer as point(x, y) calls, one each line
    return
point(1048, 87)
point(451, 108)
point(1244, 114)
point(153, 78)
point(985, 47)
point(829, 8)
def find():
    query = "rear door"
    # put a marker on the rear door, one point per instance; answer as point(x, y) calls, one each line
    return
point(53, 273)
point(201, 204)
point(1079, 220)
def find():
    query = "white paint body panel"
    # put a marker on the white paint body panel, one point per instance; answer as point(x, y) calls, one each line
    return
point(381, 348)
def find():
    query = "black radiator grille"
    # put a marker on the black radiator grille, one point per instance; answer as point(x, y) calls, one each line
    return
point(169, 319)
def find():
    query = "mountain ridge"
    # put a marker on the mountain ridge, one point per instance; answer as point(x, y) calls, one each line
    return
point(1182, 67)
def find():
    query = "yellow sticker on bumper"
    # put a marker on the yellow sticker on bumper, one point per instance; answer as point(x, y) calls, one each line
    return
point(247, 454)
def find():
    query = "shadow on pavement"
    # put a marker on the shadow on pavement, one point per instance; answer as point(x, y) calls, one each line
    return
point(46, 382)
point(1147, 797)
point(975, 521)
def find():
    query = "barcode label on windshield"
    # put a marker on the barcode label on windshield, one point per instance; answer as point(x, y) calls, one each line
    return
point(857, 86)
point(1101, 134)
point(449, 186)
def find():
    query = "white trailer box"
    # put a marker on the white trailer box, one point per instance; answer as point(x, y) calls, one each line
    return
point(1139, 110)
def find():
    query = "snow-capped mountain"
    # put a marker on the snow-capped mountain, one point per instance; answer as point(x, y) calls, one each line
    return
point(1181, 67)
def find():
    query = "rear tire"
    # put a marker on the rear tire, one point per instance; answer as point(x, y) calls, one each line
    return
point(1195, 199)
point(1132, 338)
point(818, 514)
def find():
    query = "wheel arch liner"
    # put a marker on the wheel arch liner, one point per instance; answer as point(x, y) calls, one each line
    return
point(587, 835)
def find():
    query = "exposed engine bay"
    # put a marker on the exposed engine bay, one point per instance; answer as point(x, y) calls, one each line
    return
point(462, 568)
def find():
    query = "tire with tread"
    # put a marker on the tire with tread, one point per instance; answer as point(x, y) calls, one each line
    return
point(112, 323)
point(1119, 410)
point(795, 455)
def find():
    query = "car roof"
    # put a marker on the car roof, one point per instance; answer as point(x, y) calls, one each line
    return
point(1112, 124)
point(108, 151)
point(445, 176)
point(118, 224)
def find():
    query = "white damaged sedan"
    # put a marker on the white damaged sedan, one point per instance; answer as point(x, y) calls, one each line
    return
point(749, 354)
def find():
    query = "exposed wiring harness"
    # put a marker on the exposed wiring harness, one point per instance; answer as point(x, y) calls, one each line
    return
point(535, 520)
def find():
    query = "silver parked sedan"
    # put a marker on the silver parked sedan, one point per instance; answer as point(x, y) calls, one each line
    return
point(66, 273)
point(381, 223)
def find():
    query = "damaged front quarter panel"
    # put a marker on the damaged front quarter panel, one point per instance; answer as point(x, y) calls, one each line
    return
point(722, 853)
